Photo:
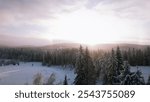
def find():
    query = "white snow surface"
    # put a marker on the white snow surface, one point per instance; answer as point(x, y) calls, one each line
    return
point(25, 72)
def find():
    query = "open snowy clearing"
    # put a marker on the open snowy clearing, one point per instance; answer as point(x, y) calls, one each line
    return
point(24, 73)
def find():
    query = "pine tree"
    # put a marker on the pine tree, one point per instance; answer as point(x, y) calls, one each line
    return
point(119, 61)
point(80, 77)
point(115, 67)
point(126, 74)
point(106, 80)
point(131, 78)
point(89, 69)
point(43, 60)
point(65, 81)
point(137, 78)
point(112, 73)
point(85, 69)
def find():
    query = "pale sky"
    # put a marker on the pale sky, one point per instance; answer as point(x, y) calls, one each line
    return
point(38, 22)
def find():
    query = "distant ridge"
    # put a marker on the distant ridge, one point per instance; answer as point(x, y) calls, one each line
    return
point(123, 46)
point(71, 45)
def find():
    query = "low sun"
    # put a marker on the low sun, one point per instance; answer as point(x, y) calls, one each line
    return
point(89, 27)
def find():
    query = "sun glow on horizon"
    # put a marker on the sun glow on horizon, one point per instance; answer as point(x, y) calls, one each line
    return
point(90, 27)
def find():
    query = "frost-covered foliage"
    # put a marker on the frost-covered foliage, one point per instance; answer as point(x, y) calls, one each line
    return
point(111, 67)
point(51, 79)
point(131, 78)
point(110, 72)
point(38, 79)
point(117, 72)
point(80, 78)
point(85, 69)
point(119, 59)
point(137, 78)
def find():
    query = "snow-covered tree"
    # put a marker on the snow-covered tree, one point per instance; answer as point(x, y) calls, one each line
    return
point(89, 69)
point(38, 79)
point(112, 71)
point(119, 61)
point(79, 68)
point(137, 78)
point(113, 68)
point(116, 72)
point(51, 79)
point(132, 78)
point(85, 69)
point(126, 74)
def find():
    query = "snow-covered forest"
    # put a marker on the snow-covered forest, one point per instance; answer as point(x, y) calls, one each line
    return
point(75, 66)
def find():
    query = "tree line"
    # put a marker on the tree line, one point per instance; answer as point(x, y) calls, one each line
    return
point(137, 57)
point(47, 57)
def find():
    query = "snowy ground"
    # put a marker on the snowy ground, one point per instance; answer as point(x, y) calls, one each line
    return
point(145, 71)
point(24, 73)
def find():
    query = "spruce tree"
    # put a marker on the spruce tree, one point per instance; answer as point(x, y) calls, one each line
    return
point(137, 78)
point(126, 74)
point(85, 69)
point(79, 68)
point(119, 61)
point(134, 78)
point(112, 73)
point(89, 69)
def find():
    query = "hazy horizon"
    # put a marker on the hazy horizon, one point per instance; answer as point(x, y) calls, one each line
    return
point(38, 23)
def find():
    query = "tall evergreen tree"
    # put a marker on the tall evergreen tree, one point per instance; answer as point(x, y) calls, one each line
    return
point(133, 78)
point(138, 79)
point(80, 77)
point(89, 69)
point(112, 72)
point(85, 69)
point(119, 61)
point(125, 75)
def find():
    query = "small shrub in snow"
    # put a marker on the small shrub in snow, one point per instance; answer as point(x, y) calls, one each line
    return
point(51, 79)
point(38, 79)
point(65, 81)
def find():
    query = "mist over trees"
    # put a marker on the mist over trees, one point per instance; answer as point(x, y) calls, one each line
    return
point(137, 57)
point(47, 57)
